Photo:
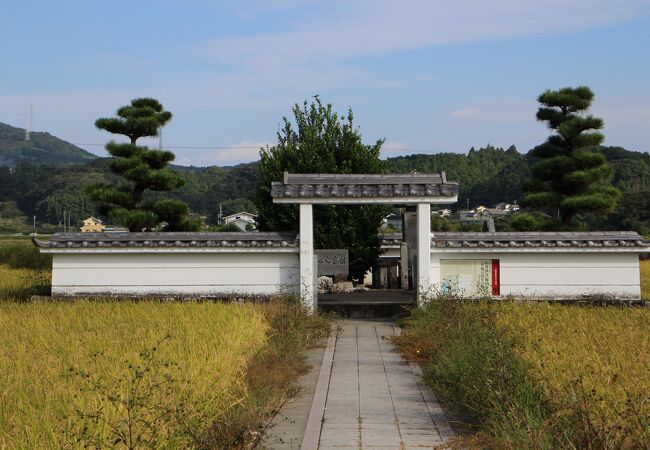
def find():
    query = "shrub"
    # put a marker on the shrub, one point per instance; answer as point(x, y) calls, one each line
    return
point(23, 255)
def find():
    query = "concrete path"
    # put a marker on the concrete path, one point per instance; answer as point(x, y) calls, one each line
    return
point(368, 397)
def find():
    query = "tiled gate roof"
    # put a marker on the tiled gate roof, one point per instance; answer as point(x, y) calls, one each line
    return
point(363, 186)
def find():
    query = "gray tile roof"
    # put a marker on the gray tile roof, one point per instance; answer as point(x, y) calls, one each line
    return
point(539, 239)
point(528, 239)
point(172, 239)
point(359, 185)
point(391, 239)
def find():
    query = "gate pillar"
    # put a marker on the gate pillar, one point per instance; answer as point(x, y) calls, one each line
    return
point(307, 269)
point(423, 256)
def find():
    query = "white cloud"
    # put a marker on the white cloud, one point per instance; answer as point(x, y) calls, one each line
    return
point(466, 112)
point(394, 148)
point(241, 152)
point(378, 27)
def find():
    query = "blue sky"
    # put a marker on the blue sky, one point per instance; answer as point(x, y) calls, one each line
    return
point(429, 76)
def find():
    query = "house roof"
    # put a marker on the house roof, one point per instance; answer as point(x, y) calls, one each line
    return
point(297, 186)
point(496, 211)
point(391, 239)
point(172, 239)
point(93, 218)
point(539, 239)
point(239, 214)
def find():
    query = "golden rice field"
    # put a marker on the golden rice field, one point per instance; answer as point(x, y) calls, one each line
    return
point(20, 284)
point(92, 373)
point(597, 355)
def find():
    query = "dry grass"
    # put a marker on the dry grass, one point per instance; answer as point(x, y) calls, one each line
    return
point(645, 279)
point(54, 356)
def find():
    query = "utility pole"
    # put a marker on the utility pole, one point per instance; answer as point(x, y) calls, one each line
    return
point(34, 224)
point(30, 124)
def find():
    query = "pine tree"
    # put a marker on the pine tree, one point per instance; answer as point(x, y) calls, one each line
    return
point(141, 170)
point(323, 142)
point(568, 175)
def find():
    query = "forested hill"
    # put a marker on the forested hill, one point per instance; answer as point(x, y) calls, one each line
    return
point(487, 176)
point(42, 149)
point(490, 175)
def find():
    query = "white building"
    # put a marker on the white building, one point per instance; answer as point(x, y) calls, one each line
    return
point(242, 220)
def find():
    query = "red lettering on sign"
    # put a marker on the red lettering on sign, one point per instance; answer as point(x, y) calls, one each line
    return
point(496, 277)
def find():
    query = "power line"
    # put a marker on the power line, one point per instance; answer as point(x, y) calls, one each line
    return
point(190, 147)
point(244, 147)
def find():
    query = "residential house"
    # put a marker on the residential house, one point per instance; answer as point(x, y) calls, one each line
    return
point(393, 221)
point(242, 220)
point(510, 207)
point(92, 225)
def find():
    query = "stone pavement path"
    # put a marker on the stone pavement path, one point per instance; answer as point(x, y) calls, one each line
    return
point(371, 399)
point(375, 399)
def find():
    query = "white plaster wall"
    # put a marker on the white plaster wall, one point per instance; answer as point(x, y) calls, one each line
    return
point(558, 275)
point(183, 274)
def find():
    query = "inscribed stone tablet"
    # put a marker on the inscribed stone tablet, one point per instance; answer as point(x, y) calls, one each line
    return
point(332, 262)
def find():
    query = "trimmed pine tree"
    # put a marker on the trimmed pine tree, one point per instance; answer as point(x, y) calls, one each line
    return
point(568, 175)
point(141, 171)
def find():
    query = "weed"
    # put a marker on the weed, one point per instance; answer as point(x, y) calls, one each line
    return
point(21, 284)
point(538, 375)
point(23, 255)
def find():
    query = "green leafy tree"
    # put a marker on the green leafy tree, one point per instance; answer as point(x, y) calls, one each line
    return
point(51, 209)
point(568, 175)
point(322, 142)
point(142, 171)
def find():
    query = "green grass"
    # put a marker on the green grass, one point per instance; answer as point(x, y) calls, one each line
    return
point(22, 254)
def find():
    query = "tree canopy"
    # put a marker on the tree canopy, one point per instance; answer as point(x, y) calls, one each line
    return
point(319, 141)
point(568, 174)
point(132, 201)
